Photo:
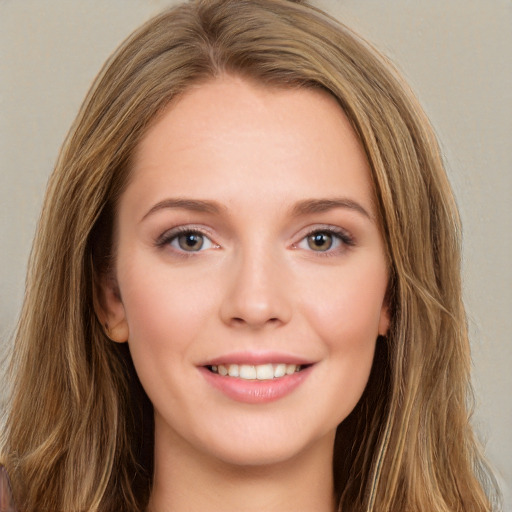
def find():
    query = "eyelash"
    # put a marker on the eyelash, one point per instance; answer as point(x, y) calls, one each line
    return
point(167, 238)
point(344, 239)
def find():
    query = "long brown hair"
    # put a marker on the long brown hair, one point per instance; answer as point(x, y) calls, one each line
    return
point(74, 440)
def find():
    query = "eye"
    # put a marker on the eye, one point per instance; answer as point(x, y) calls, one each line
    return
point(190, 241)
point(320, 241)
point(186, 240)
point(325, 240)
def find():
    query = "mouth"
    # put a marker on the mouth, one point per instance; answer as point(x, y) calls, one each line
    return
point(253, 380)
point(267, 371)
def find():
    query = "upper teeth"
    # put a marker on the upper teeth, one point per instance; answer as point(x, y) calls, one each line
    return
point(256, 372)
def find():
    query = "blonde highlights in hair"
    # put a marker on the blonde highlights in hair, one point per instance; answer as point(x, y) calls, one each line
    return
point(74, 440)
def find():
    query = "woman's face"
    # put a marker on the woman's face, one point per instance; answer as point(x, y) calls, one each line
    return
point(251, 271)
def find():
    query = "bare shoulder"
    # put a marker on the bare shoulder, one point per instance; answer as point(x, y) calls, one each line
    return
point(6, 500)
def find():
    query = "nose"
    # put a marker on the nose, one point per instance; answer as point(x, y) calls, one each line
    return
point(258, 293)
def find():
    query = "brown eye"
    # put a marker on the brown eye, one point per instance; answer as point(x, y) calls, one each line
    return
point(190, 241)
point(183, 240)
point(320, 241)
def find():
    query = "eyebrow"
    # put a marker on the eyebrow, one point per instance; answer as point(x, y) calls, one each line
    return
point(309, 206)
point(203, 206)
point(305, 207)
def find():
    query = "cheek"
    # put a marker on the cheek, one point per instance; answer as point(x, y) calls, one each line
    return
point(166, 317)
point(350, 343)
point(165, 310)
point(344, 311)
point(346, 308)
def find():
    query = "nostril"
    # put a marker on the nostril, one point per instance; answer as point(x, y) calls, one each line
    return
point(241, 321)
point(246, 307)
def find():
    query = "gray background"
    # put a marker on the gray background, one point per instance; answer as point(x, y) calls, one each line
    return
point(457, 54)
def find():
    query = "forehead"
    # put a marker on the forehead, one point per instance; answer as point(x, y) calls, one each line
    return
point(230, 135)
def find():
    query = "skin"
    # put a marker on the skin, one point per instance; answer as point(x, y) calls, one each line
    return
point(269, 161)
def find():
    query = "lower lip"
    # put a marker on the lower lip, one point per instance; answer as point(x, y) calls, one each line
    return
point(256, 391)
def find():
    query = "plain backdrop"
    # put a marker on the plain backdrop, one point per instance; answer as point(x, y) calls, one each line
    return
point(457, 54)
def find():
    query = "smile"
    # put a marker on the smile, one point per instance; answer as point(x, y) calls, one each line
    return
point(257, 383)
point(255, 372)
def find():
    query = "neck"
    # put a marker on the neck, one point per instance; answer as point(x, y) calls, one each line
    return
point(185, 481)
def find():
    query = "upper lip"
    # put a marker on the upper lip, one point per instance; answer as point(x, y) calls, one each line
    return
point(257, 358)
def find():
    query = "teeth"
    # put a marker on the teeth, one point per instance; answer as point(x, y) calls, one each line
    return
point(290, 368)
point(264, 372)
point(280, 370)
point(247, 372)
point(256, 372)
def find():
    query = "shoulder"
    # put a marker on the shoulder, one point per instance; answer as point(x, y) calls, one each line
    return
point(6, 500)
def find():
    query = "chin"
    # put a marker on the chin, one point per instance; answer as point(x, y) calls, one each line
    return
point(254, 448)
point(258, 456)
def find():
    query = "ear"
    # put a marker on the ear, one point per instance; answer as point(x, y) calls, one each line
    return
point(109, 308)
point(384, 320)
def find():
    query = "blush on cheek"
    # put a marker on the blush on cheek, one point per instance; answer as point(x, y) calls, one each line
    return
point(349, 321)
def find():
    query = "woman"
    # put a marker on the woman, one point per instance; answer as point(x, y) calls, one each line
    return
point(253, 222)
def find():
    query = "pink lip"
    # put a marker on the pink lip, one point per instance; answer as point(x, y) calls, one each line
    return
point(255, 391)
point(255, 358)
